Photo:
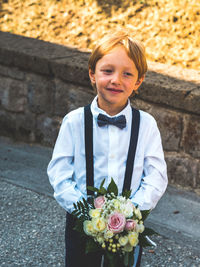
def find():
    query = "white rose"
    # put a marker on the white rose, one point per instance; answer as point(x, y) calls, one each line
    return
point(127, 210)
point(133, 239)
point(99, 224)
point(108, 234)
point(94, 213)
point(140, 228)
point(123, 240)
point(88, 227)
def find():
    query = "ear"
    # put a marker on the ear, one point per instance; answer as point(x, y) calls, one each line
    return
point(92, 76)
point(138, 83)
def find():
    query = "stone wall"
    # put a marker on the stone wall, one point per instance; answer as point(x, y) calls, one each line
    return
point(40, 82)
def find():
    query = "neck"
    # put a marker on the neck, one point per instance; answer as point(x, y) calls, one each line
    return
point(111, 110)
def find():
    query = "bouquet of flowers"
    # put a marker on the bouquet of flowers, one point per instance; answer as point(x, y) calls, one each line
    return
point(112, 224)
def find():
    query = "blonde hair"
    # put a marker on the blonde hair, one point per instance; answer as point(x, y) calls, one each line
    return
point(134, 48)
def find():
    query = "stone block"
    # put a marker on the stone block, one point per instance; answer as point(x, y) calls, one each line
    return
point(170, 126)
point(173, 92)
point(182, 170)
point(40, 93)
point(7, 124)
point(13, 73)
point(19, 126)
point(79, 97)
point(2, 90)
point(17, 57)
point(177, 72)
point(25, 126)
point(72, 69)
point(191, 135)
point(169, 122)
point(69, 97)
point(47, 129)
point(13, 95)
point(140, 104)
point(30, 53)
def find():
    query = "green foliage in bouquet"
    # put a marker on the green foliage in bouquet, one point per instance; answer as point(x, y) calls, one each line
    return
point(112, 224)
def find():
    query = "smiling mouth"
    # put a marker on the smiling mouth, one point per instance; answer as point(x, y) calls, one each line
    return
point(114, 90)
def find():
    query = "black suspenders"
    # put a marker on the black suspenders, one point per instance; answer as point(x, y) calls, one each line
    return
point(89, 148)
point(132, 149)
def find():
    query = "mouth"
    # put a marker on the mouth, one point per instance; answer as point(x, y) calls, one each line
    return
point(114, 90)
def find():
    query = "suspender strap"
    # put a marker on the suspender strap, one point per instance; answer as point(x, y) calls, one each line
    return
point(89, 148)
point(132, 148)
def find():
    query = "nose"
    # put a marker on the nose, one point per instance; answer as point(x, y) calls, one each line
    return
point(116, 78)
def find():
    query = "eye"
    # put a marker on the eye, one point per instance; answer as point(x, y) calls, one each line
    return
point(128, 74)
point(107, 71)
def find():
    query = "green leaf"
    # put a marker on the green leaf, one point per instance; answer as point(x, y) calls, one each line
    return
point(92, 188)
point(102, 191)
point(78, 204)
point(74, 212)
point(112, 187)
point(126, 194)
point(102, 183)
point(78, 213)
point(82, 205)
point(145, 214)
point(85, 204)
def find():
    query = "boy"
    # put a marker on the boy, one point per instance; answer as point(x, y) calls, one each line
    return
point(116, 69)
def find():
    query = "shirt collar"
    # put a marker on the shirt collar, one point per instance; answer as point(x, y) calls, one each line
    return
point(127, 111)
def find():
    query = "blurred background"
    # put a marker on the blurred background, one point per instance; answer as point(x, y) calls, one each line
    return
point(170, 29)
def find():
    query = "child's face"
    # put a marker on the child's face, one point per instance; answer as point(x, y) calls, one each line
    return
point(116, 77)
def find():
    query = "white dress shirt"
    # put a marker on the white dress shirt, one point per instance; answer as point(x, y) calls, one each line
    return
point(67, 168)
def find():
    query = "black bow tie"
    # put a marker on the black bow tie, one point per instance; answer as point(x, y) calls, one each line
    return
point(119, 121)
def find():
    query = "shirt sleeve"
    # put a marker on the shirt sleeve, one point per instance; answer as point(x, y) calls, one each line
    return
point(154, 182)
point(61, 168)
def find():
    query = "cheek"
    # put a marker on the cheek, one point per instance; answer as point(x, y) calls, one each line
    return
point(102, 80)
point(130, 85)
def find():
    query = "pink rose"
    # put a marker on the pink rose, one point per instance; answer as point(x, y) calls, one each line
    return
point(99, 202)
point(130, 225)
point(116, 222)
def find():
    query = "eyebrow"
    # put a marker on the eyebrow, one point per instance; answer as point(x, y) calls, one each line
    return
point(107, 65)
point(111, 66)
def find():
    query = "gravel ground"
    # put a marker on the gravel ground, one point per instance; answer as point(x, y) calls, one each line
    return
point(32, 234)
point(31, 228)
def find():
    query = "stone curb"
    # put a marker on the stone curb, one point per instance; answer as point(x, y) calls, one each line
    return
point(178, 88)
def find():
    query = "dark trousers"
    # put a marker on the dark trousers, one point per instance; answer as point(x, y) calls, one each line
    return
point(75, 255)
